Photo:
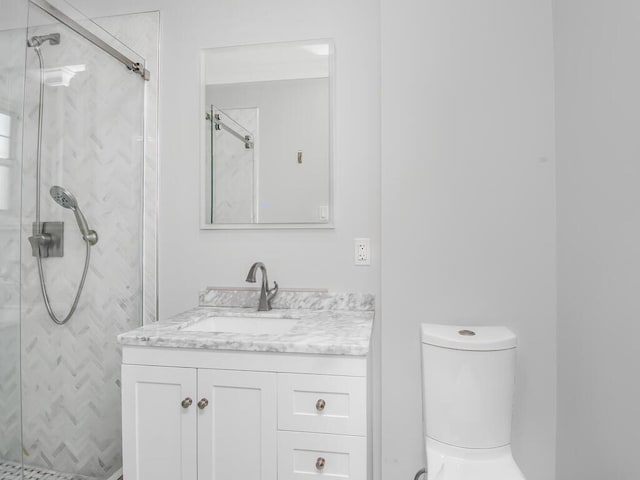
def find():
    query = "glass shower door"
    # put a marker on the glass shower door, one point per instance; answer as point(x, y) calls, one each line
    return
point(13, 21)
point(89, 126)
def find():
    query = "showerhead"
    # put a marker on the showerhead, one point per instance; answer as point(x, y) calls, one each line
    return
point(37, 40)
point(63, 197)
point(66, 199)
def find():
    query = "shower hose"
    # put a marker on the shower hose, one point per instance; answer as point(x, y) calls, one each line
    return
point(43, 285)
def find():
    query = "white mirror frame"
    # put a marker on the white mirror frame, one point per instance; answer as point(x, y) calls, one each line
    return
point(203, 148)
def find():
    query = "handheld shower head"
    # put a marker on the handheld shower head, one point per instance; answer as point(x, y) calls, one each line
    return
point(63, 197)
point(66, 199)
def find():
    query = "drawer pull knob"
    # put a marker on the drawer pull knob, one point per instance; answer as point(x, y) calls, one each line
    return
point(320, 404)
point(186, 403)
point(320, 463)
point(202, 404)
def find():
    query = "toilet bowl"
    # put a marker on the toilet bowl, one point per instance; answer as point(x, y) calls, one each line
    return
point(467, 391)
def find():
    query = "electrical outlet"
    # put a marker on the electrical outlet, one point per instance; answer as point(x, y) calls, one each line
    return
point(362, 251)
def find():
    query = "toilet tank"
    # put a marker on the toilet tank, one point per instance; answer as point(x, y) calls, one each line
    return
point(468, 378)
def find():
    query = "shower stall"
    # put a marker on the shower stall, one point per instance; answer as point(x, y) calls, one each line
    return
point(72, 238)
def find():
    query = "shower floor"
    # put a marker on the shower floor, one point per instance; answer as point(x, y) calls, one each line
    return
point(13, 471)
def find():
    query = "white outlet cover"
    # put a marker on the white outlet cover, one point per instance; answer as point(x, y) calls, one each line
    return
point(362, 251)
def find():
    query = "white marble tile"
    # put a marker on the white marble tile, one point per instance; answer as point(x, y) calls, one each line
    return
point(141, 32)
point(327, 330)
point(310, 299)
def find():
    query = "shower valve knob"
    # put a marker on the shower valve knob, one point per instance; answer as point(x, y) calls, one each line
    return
point(186, 403)
point(47, 239)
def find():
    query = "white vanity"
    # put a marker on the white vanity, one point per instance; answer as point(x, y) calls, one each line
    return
point(204, 398)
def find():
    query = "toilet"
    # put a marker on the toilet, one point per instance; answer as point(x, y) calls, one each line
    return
point(468, 378)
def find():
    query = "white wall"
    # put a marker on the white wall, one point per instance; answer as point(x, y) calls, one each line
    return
point(13, 14)
point(190, 259)
point(468, 184)
point(468, 197)
point(598, 118)
point(468, 204)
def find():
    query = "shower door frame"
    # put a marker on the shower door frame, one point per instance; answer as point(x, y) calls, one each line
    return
point(67, 21)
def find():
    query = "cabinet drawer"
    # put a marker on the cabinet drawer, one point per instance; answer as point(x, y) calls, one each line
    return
point(332, 456)
point(322, 403)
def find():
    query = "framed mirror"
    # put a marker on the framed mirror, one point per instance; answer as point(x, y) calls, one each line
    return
point(267, 116)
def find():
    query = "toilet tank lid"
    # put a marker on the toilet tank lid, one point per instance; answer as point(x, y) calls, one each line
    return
point(468, 338)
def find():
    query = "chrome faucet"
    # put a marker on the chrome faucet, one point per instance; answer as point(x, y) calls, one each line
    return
point(266, 294)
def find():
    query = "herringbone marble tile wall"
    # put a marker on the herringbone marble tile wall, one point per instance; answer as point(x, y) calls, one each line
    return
point(92, 145)
point(141, 32)
point(9, 386)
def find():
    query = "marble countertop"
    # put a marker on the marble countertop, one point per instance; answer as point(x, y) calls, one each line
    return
point(318, 330)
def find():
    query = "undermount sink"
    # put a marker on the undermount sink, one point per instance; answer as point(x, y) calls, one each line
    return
point(251, 325)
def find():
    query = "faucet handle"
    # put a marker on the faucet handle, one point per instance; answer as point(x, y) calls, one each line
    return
point(273, 291)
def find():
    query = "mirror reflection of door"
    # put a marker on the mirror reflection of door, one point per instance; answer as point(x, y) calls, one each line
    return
point(268, 142)
point(231, 147)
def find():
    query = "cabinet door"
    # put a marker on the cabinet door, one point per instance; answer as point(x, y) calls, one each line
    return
point(237, 430)
point(159, 431)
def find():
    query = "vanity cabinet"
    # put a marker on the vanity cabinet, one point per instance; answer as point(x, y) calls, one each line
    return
point(225, 430)
point(192, 414)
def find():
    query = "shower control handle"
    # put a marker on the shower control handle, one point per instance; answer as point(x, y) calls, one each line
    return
point(47, 239)
point(39, 243)
point(186, 403)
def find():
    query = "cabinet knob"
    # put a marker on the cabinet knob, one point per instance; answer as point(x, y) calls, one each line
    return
point(202, 404)
point(320, 463)
point(320, 404)
point(186, 403)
